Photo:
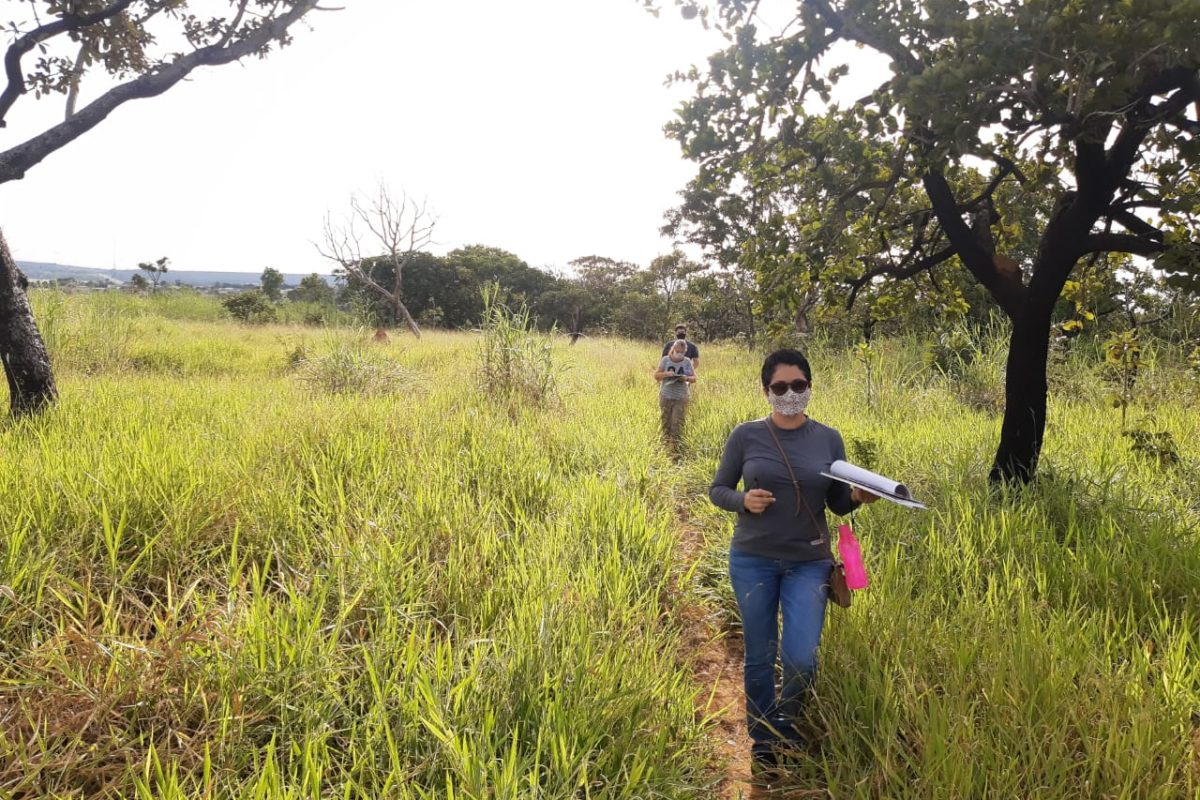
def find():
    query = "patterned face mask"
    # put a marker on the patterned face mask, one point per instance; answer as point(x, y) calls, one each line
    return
point(790, 403)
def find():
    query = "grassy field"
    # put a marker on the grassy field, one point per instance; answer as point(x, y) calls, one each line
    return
point(282, 562)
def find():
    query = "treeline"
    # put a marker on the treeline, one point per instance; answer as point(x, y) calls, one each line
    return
point(597, 295)
point(605, 296)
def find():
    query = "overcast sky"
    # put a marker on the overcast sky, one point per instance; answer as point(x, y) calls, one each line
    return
point(532, 125)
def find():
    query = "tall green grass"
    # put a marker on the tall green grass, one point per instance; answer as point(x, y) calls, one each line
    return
point(1036, 644)
point(219, 578)
point(220, 582)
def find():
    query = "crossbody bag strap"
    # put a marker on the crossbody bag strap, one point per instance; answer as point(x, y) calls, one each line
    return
point(795, 483)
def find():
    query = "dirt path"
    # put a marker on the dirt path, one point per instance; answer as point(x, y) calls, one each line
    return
point(717, 668)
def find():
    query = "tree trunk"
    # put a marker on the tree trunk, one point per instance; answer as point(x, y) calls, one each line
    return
point(1025, 392)
point(402, 313)
point(26, 363)
point(1025, 386)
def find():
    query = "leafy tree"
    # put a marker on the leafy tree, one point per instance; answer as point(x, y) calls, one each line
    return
point(570, 307)
point(379, 308)
point(721, 305)
point(607, 280)
point(670, 274)
point(272, 284)
point(313, 289)
point(452, 285)
point(482, 266)
point(131, 49)
point(1010, 141)
point(250, 306)
point(156, 270)
point(139, 282)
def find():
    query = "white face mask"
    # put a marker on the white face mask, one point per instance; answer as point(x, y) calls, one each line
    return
point(790, 404)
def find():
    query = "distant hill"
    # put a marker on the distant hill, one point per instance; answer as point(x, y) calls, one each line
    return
point(41, 271)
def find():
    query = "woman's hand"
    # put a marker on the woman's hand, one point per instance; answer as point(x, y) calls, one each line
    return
point(757, 501)
point(862, 496)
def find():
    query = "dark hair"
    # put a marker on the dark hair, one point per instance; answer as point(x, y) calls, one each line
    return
point(784, 356)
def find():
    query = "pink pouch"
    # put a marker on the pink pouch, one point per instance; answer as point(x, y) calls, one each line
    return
point(851, 553)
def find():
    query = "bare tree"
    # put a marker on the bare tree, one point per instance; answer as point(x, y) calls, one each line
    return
point(399, 228)
point(136, 45)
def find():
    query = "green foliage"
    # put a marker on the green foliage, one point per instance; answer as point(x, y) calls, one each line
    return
point(720, 305)
point(409, 598)
point(927, 194)
point(865, 355)
point(156, 270)
point(516, 363)
point(350, 367)
point(1181, 263)
point(864, 452)
point(446, 595)
point(603, 296)
point(1123, 362)
point(251, 307)
point(272, 284)
point(450, 286)
point(952, 351)
point(313, 289)
point(1156, 445)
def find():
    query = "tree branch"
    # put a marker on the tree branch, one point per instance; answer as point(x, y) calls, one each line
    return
point(16, 161)
point(1007, 168)
point(1124, 151)
point(849, 30)
point(1090, 167)
point(1136, 225)
point(1121, 243)
point(900, 273)
point(1004, 285)
point(18, 49)
point(76, 77)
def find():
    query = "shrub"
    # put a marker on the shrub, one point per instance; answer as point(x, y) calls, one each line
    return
point(251, 307)
point(516, 361)
point(348, 368)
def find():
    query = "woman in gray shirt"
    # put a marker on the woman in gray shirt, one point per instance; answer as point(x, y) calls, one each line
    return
point(780, 557)
point(674, 373)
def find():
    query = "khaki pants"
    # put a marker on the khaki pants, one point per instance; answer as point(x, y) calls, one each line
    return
point(673, 412)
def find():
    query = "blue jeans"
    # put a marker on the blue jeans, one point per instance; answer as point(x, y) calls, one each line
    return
point(764, 587)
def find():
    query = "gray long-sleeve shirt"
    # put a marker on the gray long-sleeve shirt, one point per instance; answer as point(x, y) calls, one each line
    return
point(784, 530)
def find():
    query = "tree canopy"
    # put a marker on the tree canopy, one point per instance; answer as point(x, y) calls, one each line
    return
point(129, 49)
point(144, 46)
point(1014, 140)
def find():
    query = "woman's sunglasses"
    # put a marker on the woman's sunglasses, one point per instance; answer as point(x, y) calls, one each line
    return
point(780, 387)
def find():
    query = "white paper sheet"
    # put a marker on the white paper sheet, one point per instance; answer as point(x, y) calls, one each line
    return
point(872, 482)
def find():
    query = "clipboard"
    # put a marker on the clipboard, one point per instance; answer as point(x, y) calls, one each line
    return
point(872, 482)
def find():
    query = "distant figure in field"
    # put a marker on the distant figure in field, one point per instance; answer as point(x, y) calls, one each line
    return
point(380, 337)
point(675, 372)
point(693, 352)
